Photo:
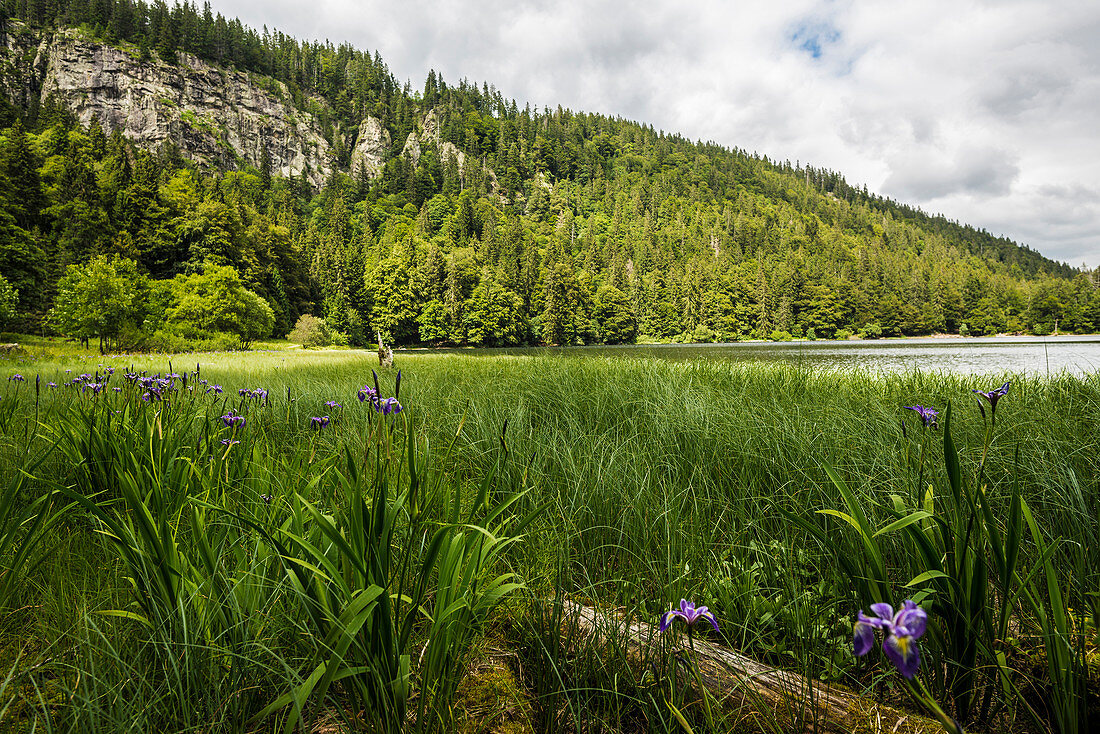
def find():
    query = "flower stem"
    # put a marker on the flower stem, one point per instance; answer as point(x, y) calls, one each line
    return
point(699, 680)
point(919, 692)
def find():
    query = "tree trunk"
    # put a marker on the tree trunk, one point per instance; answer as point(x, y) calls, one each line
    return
point(745, 689)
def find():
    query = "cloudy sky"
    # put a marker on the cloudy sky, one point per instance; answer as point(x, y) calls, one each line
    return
point(988, 112)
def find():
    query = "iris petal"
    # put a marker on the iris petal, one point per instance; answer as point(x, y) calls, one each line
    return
point(667, 617)
point(884, 611)
point(914, 619)
point(870, 621)
point(903, 653)
point(863, 638)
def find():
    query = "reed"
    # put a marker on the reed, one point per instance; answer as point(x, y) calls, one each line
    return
point(628, 482)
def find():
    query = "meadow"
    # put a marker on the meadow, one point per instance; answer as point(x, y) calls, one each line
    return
point(263, 541)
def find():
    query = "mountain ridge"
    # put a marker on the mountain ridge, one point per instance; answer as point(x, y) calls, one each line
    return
point(485, 206)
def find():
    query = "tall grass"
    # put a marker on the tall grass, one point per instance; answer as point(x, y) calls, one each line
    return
point(661, 480)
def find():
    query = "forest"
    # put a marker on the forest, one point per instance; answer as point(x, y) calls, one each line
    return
point(288, 540)
point(551, 227)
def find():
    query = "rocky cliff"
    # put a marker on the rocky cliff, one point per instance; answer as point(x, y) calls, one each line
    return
point(429, 132)
point(216, 116)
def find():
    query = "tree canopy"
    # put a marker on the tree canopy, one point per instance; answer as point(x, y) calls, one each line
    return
point(511, 226)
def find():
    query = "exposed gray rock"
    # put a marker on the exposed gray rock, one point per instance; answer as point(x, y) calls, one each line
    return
point(371, 147)
point(215, 116)
point(218, 117)
point(412, 148)
point(429, 131)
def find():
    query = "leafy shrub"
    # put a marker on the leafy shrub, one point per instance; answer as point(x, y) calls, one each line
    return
point(703, 334)
point(9, 298)
point(788, 598)
point(215, 300)
point(169, 341)
point(872, 331)
point(310, 331)
point(100, 300)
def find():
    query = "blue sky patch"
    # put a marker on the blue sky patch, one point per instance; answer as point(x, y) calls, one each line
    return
point(814, 37)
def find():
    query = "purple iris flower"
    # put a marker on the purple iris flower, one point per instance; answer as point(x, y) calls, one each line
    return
point(117, 389)
point(216, 389)
point(16, 378)
point(902, 630)
point(366, 392)
point(51, 384)
point(332, 404)
point(233, 421)
point(690, 614)
point(992, 396)
point(928, 415)
point(388, 406)
point(319, 422)
point(229, 442)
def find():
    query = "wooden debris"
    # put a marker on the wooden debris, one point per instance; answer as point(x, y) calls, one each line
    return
point(747, 689)
point(385, 353)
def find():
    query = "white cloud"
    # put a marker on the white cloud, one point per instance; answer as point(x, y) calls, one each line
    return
point(925, 175)
point(984, 111)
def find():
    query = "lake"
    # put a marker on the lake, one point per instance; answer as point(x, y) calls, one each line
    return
point(1079, 355)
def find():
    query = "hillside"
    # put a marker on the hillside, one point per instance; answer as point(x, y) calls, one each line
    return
point(178, 139)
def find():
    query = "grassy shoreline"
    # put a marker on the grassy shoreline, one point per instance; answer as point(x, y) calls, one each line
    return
point(660, 480)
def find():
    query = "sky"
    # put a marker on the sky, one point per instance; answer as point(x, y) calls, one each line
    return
point(986, 112)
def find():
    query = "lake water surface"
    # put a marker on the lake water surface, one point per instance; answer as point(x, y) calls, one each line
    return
point(1079, 355)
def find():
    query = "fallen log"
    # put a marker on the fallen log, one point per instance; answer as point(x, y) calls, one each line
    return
point(746, 689)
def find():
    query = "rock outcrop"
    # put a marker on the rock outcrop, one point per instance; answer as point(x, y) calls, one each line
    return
point(216, 116)
point(219, 117)
point(372, 145)
point(429, 131)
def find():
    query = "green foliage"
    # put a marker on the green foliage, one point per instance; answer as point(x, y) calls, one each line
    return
point(9, 300)
point(389, 288)
point(310, 331)
point(493, 315)
point(223, 540)
point(100, 300)
point(602, 227)
point(871, 331)
point(957, 551)
point(615, 316)
point(432, 323)
point(25, 528)
point(214, 300)
point(171, 339)
point(772, 594)
point(665, 484)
